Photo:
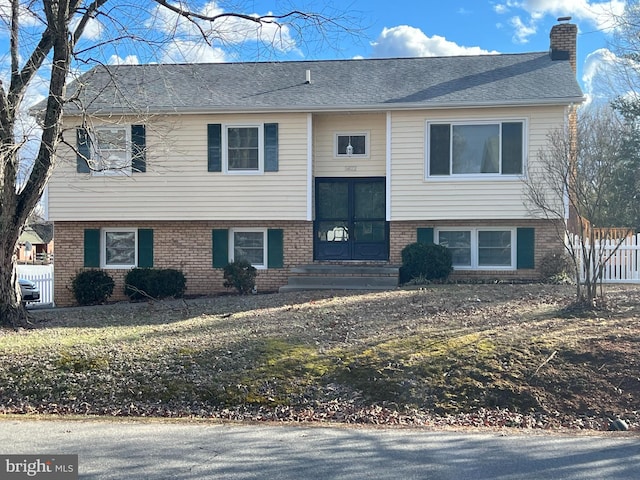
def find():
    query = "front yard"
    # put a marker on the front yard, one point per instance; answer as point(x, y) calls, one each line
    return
point(481, 355)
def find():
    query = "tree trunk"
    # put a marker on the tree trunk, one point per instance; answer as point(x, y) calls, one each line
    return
point(12, 312)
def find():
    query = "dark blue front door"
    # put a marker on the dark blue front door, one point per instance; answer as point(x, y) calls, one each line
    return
point(351, 219)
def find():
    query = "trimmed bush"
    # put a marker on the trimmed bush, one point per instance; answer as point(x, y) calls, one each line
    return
point(426, 262)
point(556, 267)
point(92, 287)
point(240, 275)
point(154, 283)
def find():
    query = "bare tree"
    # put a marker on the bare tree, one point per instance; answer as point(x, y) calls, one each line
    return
point(569, 185)
point(52, 39)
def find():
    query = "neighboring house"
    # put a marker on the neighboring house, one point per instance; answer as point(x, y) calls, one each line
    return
point(35, 244)
point(294, 163)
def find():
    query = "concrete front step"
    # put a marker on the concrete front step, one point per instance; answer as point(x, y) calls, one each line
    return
point(342, 277)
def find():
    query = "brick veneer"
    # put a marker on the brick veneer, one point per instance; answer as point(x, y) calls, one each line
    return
point(187, 246)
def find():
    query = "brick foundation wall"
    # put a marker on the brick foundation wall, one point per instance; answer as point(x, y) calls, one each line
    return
point(546, 239)
point(185, 246)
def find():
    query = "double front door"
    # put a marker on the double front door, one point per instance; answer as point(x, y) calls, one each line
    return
point(351, 219)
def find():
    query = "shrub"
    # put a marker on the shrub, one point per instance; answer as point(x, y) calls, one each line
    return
point(556, 267)
point(241, 275)
point(425, 261)
point(92, 287)
point(154, 283)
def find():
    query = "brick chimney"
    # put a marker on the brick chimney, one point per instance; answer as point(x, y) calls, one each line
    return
point(563, 38)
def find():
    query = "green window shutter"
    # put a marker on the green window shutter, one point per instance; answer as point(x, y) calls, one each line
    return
point(275, 248)
point(270, 147)
point(526, 248)
point(92, 247)
point(214, 147)
point(138, 148)
point(425, 235)
point(145, 248)
point(83, 148)
point(220, 247)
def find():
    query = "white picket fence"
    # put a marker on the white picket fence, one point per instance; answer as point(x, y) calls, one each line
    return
point(624, 264)
point(42, 275)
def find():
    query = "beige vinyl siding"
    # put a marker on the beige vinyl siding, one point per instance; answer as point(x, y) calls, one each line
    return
point(414, 197)
point(327, 164)
point(177, 185)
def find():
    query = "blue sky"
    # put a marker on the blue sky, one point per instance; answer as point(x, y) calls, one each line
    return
point(384, 29)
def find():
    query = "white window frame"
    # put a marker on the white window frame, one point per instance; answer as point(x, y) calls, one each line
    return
point(364, 134)
point(475, 247)
point(477, 176)
point(96, 153)
point(103, 247)
point(233, 231)
point(225, 149)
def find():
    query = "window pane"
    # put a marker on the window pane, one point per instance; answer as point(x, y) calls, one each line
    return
point(369, 231)
point(333, 200)
point(512, 148)
point(243, 148)
point(459, 243)
point(120, 248)
point(249, 246)
point(337, 231)
point(476, 149)
point(369, 201)
point(439, 149)
point(357, 142)
point(494, 249)
point(111, 149)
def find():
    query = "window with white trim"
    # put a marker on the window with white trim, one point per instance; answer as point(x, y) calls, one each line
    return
point(111, 150)
point(243, 147)
point(480, 248)
point(119, 248)
point(475, 148)
point(250, 245)
point(352, 144)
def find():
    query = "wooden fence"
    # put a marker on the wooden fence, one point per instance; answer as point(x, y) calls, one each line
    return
point(623, 264)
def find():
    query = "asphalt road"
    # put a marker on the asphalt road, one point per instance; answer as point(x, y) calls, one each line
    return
point(155, 450)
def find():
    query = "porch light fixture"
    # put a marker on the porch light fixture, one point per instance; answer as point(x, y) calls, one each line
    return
point(349, 149)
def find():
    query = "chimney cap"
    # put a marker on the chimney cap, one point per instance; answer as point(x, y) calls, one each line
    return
point(564, 19)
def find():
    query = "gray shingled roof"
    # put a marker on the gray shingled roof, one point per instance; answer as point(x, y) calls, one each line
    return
point(396, 83)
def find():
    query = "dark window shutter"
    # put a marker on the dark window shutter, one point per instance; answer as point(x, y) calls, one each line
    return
point(270, 147)
point(425, 235)
point(275, 248)
point(145, 248)
point(83, 147)
point(440, 149)
point(92, 247)
point(526, 248)
point(220, 247)
point(138, 148)
point(214, 146)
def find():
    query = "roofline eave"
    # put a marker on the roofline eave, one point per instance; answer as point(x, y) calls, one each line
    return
point(564, 101)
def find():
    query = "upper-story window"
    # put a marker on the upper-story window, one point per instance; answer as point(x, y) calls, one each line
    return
point(352, 145)
point(244, 147)
point(475, 149)
point(111, 149)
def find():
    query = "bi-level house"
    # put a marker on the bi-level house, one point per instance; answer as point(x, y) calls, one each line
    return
point(307, 163)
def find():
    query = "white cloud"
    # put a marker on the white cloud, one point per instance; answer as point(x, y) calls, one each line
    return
point(522, 31)
point(128, 60)
point(183, 51)
point(406, 41)
point(598, 13)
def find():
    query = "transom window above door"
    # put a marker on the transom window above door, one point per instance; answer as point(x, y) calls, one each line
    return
point(352, 144)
